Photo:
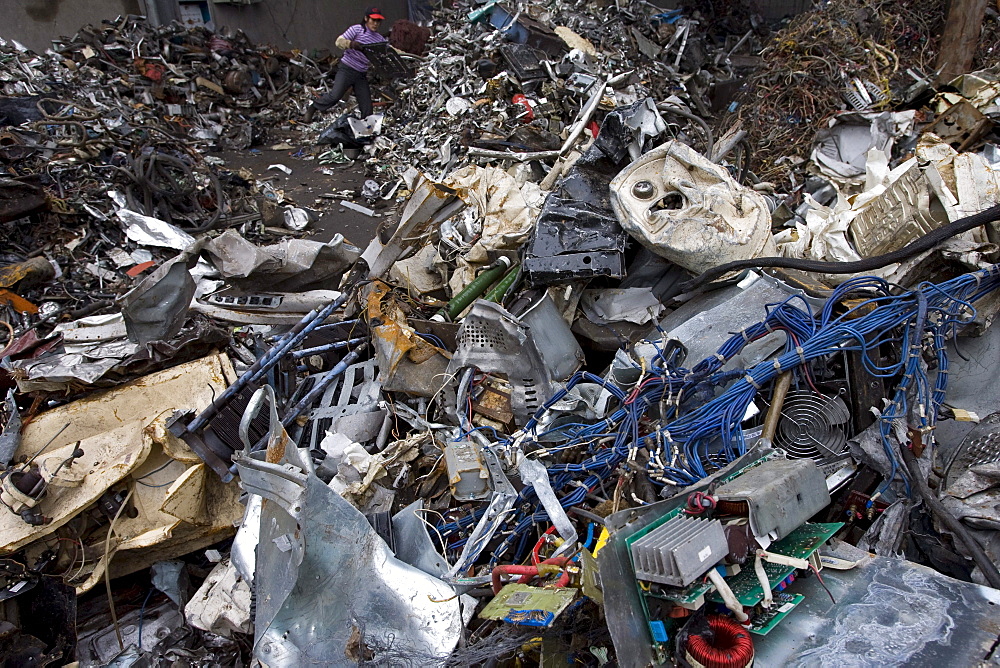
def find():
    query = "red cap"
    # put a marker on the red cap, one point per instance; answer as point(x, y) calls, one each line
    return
point(374, 13)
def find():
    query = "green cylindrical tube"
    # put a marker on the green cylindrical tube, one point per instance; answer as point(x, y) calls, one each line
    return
point(497, 292)
point(478, 286)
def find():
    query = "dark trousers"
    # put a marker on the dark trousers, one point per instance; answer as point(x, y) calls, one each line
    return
point(347, 77)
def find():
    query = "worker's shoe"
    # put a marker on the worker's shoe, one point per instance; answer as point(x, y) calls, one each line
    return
point(310, 114)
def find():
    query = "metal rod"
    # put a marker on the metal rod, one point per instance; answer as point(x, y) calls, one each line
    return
point(781, 386)
point(308, 323)
point(306, 352)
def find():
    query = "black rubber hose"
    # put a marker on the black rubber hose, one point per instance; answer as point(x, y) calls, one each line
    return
point(924, 243)
point(979, 555)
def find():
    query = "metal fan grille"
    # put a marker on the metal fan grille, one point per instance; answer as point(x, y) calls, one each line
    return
point(810, 425)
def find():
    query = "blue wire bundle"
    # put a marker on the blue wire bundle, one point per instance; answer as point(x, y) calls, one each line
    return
point(690, 446)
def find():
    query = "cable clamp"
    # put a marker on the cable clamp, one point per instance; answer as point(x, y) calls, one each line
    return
point(777, 366)
point(720, 357)
point(802, 354)
point(748, 378)
point(743, 333)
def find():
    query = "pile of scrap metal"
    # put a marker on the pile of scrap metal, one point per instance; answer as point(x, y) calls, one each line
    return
point(635, 409)
point(499, 78)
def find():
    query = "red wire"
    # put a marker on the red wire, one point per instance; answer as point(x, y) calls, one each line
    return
point(535, 559)
point(805, 366)
point(822, 583)
point(730, 645)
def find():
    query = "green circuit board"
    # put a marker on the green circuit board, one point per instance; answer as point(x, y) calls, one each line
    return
point(801, 543)
point(762, 623)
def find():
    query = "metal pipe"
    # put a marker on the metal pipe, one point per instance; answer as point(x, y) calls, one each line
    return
point(781, 386)
point(308, 323)
point(327, 347)
point(589, 110)
point(334, 325)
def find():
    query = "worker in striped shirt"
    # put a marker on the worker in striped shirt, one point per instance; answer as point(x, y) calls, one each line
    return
point(353, 69)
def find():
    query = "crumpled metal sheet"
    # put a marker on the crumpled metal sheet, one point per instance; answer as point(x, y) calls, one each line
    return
point(329, 590)
point(292, 265)
point(56, 372)
point(842, 148)
point(406, 362)
point(222, 603)
point(149, 231)
point(636, 305)
point(681, 206)
point(155, 309)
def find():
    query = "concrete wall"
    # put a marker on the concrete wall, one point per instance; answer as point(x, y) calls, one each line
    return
point(35, 23)
point(302, 24)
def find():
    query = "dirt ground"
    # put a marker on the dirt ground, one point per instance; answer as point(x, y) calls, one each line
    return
point(316, 187)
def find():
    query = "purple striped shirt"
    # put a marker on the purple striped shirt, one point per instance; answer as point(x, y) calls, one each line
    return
point(354, 58)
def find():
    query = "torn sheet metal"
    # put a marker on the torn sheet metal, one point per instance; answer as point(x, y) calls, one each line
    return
point(149, 231)
point(222, 603)
point(10, 439)
point(841, 150)
point(888, 611)
point(156, 308)
point(418, 273)
point(899, 209)
point(635, 305)
point(406, 362)
point(314, 543)
point(292, 265)
point(413, 544)
point(961, 126)
point(689, 210)
point(534, 473)
point(429, 205)
point(244, 550)
point(964, 183)
point(628, 131)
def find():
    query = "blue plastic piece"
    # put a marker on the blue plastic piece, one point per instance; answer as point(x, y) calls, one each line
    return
point(659, 631)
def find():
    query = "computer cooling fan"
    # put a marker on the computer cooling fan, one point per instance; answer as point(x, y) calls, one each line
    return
point(811, 425)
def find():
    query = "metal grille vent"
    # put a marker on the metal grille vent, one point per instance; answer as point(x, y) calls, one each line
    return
point(810, 426)
point(484, 335)
point(980, 446)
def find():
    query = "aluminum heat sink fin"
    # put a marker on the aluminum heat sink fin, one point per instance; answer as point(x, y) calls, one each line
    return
point(679, 551)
